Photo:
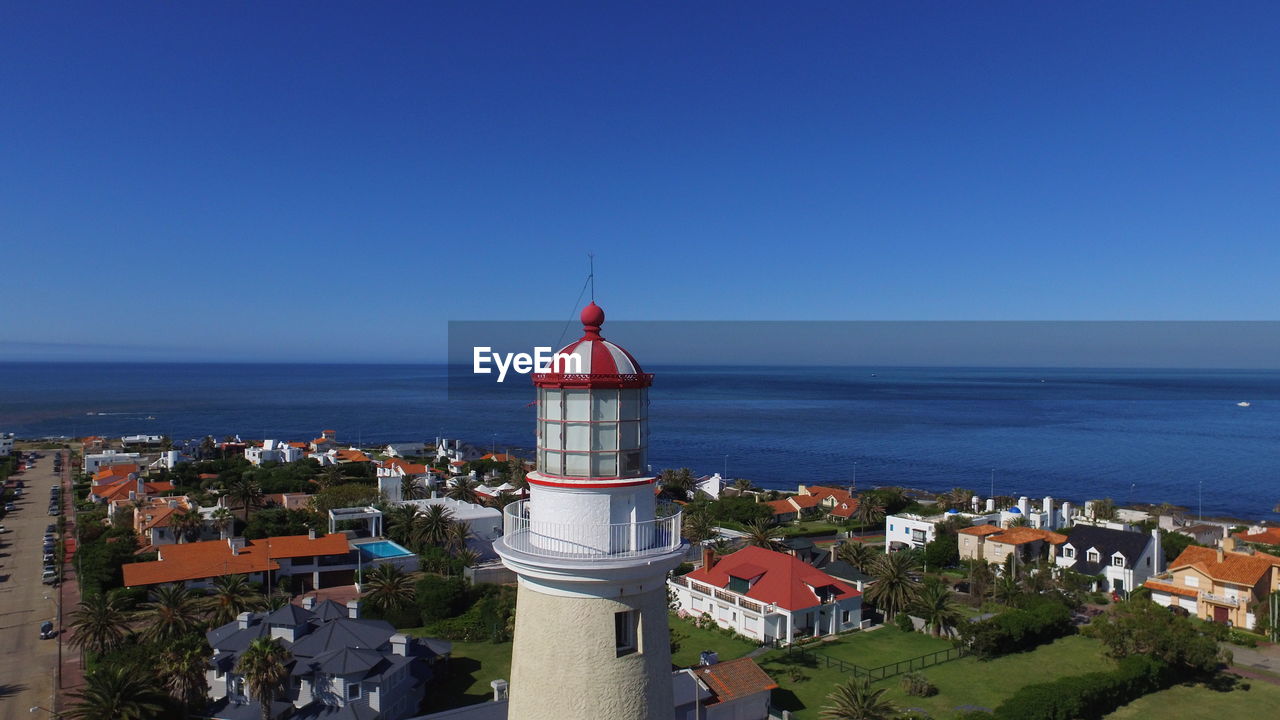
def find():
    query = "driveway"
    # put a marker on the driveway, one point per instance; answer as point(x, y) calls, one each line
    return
point(26, 662)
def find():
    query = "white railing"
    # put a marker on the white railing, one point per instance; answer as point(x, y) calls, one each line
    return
point(1219, 599)
point(582, 540)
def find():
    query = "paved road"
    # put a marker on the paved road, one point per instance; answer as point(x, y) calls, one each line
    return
point(26, 661)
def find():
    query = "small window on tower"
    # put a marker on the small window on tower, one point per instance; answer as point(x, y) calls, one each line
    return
point(626, 628)
point(630, 463)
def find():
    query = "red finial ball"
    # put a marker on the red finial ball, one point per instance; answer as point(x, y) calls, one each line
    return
point(592, 318)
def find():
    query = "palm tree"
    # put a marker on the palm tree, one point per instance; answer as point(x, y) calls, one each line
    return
point(399, 520)
point(959, 498)
point(186, 524)
point(264, 667)
point(208, 447)
point(698, 526)
point(99, 624)
point(503, 499)
point(431, 526)
point(230, 596)
point(763, 535)
point(742, 485)
point(856, 700)
point(411, 489)
point(246, 495)
point(118, 692)
point(678, 483)
point(457, 535)
point(464, 489)
point(1019, 521)
point(183, 665)
point(223, 519)
point(895, 586)
point(870, 510)
point(981, 577)
point(467, 557)
point(174, 611)
point(1007, 589)
point(516, 473)
point(1104, 509)
point(935, 604)
point(388, 588)
point(332, 476)
point(860, 555)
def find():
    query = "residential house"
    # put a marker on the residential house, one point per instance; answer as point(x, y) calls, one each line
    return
point(6, 443)
point(908, 530)
point(310, 561)
point(342, 667)
point(794, 507)
point(405, 449)
point(288, 501)
point(836, 503)
point(768, 595)
point(96, 461)
point(128, 489)
point(710, 485)
point(1259, 535)
point(1121, 559)
point(995, 545)
point(391, 474)
point(153, 519)
point(272, 451)
point(1204, 533)
point(1222, 584)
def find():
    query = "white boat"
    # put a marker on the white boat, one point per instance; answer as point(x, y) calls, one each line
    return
point(1242, 404)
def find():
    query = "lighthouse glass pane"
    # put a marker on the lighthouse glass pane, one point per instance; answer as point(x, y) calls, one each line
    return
point(605, 465)
point(551, 463)
point(577, 405)
point(604, 405)
point(575, 464)
point(551, 436)
point(604, 436)
point(549, 404)
point(630, 435)
point(631, 463)
point(631, 401)
point(577, 436)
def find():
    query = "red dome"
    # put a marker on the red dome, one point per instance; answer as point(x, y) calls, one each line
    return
point(598, 362)
point(592, 318)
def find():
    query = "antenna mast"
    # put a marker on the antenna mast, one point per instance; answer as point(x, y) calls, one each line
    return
point(591, 276)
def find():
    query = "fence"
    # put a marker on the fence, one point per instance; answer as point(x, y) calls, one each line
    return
point(884, 671)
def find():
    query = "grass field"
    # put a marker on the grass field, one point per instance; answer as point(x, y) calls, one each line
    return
point(471, 667)
point(690, 641)
point(1194, 702)
point(963, 684)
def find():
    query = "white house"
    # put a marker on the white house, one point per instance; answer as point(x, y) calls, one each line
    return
point(907, 531)
point(767, 595)
point(485, 522)
point(96, 461)
point(272, 451)
point(1121, 559)
point(6, 443)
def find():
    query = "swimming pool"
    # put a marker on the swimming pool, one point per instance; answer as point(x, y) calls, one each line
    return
point(382, 550)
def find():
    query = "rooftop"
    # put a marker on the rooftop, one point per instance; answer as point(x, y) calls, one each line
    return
point(784, 581)
point(214, 558)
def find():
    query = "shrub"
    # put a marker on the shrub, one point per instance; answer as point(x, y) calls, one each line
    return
point(917, 685)
point(1041, 620)
point(1090, 696)
point(903, 622)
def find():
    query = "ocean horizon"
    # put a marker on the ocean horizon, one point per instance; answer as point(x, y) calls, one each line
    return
point(1135, 435)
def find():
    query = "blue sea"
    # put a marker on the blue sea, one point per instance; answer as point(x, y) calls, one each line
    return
point(1132, 435)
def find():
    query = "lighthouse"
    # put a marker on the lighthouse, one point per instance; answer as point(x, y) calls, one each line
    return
point(591, 547)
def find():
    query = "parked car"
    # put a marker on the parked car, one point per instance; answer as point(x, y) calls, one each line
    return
point(51, 528)
point(50, 577)
point(3, 529)
point(46, 630)
point(10, 507)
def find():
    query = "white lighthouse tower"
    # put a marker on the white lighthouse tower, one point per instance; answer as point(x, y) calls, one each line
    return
point(591, 547)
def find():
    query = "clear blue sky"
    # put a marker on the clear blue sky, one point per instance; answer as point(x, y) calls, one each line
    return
point(335, 181)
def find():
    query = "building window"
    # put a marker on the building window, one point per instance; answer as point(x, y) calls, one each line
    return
point(626, 631)
point(1093, 556)
point(844, 616)
point(738, 585)
point(1068, 552)
point(353, 691)
point(1117, 560)
point(1191, 581)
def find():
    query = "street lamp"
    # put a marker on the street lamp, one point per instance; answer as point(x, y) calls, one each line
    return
point(37, 707)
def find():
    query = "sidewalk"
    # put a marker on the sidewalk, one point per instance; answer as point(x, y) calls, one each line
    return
point(70, 672)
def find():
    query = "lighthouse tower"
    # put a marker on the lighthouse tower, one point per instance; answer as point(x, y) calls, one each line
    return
point(591, 547)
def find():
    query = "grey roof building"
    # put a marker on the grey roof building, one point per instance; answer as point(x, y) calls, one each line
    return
point(343, 667)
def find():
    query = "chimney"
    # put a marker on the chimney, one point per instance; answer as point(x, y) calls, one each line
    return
point(400, 644)
point(1157, 552)
point(991, 504)
point(708, 558)
point(500, 688)
point(242, 620)
point(309, 602)
point(1222, 556)
point(236, 544)
point(353, 609)
point(1229, 544)
point(311, 533)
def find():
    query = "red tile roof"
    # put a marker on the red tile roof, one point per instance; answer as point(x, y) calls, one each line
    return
point(213, 558)
point(120, 489)
point(823, 492)
point(845, 509)
point(734, 679)
point(111, 473)
point(787, 582)
point(499, 457)
point(805, 502)
point(1160, 586)
point(1235, 567)
point(1024, 535)
point(981, 530)
point(353, 456)
point(407, 468)
point(1269, 536)
point(781, 507)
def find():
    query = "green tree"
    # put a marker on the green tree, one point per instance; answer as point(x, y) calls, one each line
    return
point(456, 536)
point(1140, 627)
point(895, 585)
point(345, 496)
point(223, 520)
point(99, 624)
point(399, 522)
point(186, 523)
point(411, 489)
point(762, 535)
point(230, 596)
point(431, 526)
point(857, 700)
point(870, 511)
point(173, 611)
point(264, 667)
point(182, 665)
point(935, 604)
point(698, 526)
point(858, 554)
point(387, 588)
point(1104, 509)
point(244, 494)
point(120, 693)
point(463, 489)
point(677, 483)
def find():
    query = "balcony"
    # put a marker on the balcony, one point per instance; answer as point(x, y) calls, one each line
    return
point(581, 541)
point(725, 596)
point(1219, 599)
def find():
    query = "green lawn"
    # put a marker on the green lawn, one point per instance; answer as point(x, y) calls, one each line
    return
point(1195, 702)
point(879, 647)
point(964, 682)
point(471, 667)
point(690, 641)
